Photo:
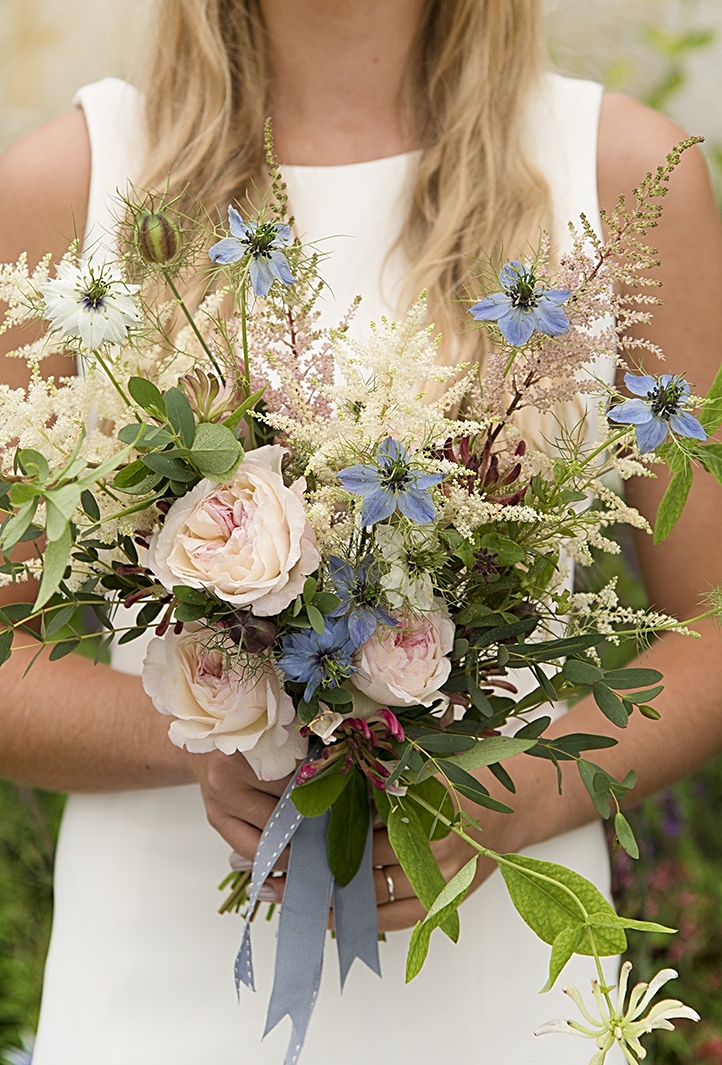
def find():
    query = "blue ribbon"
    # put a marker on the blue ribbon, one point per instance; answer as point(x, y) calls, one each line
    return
point(304, 917)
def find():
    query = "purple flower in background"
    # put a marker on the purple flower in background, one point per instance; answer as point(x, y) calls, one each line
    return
point(523, 306)
point(15, 1056)
point(661, 409)
point(360, 597)
point(263, 241)
point(318, 658)
point(392, 483)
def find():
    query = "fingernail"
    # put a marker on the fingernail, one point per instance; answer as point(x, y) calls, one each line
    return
point(238, 863)
point(267, 894)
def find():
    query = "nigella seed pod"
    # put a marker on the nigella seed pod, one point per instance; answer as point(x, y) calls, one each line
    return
point(253, 635)
point(159, 239)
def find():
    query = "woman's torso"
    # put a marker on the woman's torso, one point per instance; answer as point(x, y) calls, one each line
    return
point(140, 970)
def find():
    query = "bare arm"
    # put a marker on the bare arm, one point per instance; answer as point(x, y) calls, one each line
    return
point(634, 140)
point(67, 725)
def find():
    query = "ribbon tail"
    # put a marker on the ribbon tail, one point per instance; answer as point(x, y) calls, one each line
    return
point(301, 933)
point(356, 917)
point(280, 829)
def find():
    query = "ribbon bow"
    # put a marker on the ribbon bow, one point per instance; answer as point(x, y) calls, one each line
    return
point(304, 917)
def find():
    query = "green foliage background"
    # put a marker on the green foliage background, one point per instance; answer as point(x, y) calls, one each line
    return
point(678, 879)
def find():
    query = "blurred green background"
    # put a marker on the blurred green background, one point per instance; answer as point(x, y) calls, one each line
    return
point(665, 52)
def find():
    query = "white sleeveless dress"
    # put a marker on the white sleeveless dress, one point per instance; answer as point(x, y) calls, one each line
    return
point(140, 968)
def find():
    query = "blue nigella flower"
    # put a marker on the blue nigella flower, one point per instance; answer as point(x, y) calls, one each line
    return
point(263, 241)
point(661, 409)
point(360, 598)
point(390, 483)
point(314, 658)
point(523, 306)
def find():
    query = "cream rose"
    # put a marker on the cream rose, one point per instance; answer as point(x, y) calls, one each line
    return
point(247, 540)
point(218, 710)
point(406, 665)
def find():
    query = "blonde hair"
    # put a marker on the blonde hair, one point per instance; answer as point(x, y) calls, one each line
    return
point(472, 70)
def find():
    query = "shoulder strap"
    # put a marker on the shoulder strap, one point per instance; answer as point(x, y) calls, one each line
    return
point(114, 117)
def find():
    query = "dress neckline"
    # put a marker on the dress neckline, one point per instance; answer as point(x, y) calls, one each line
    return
point(337, 167)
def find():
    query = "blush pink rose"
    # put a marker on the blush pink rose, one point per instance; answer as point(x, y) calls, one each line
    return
point(247, 540)
point(215, 709)
point(406, 665)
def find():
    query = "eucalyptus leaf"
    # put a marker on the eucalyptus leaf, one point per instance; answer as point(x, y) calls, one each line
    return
point(147, 395)
point(711, 414)
point(435, 794)
point(216, 453)
point(90, 505)
point(55, 559)
point(33, 464)
point(625, 835)
point(610, 704)
point(6, 644)
point(632, 678)
point(580, 672)
point(180, 416)
point(14, 528)
point(492, 749)
point(470, 787)
point(60, 650)
point(168, 465)
point(316, 618)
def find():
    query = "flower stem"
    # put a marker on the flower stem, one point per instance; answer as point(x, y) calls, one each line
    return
point(193, 325)
point(246, 358)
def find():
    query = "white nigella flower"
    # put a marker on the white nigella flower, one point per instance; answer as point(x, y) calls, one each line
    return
point(407, 581)
point(618, 1025)
point(90, 302)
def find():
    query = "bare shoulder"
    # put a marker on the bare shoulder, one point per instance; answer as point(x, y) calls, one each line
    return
point(634, 140)
point(44, 183)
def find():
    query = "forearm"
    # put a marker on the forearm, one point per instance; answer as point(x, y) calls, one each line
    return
point(73, 726)
point(688, 734)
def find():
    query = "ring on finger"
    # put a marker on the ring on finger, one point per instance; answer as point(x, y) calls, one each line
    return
point(390, 885)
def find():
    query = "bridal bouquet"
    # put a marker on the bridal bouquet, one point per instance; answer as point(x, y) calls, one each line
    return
point(346, 580)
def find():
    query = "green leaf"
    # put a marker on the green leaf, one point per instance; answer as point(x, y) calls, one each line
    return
point(234, 418)
point(14, 528)
point(314, 798)
point(625, 835)
point(604, 920)
point(169, 465)
point(6, 644)
point(610, 704)
point(596, 781)
point(632, 678)
point(490, 750)
point(580, 672)
point(55, 560)
point(348, 828)
point(62, 504)
point(445, 905)
point(185, 594)
point(672, 504)
point(190, 611)
point(645, 696)
point(216, 453)
point(60, 650)
point(180, 415)
point(445, 743)
point(470, 787)
point(563, 947)
point(505, 632)
point(326, 601)
point(90, 505)
point(147, 396)
point(411, 846)
point(711, 414)
point(336, 696)
point(309, 589)
point(57, 619)
point(33, 464)
point(316, 618)
point(436, 795)
point(145, 436)
point(551, 898)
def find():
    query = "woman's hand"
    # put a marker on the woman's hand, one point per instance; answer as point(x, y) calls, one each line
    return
point(238, 804)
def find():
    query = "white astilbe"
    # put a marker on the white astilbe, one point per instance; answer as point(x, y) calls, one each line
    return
point(20, 290)
point(626, 1022)
point(601, 612)
point(468, 512)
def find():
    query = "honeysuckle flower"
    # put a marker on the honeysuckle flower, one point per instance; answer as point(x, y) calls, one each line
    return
point(523, 306)
point(325, 724)
point(661, 409)
point(318, 658)
point(360, 597)
point(90, 302)
point(392, 483)
point(262, 241)
point(621, 1025)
